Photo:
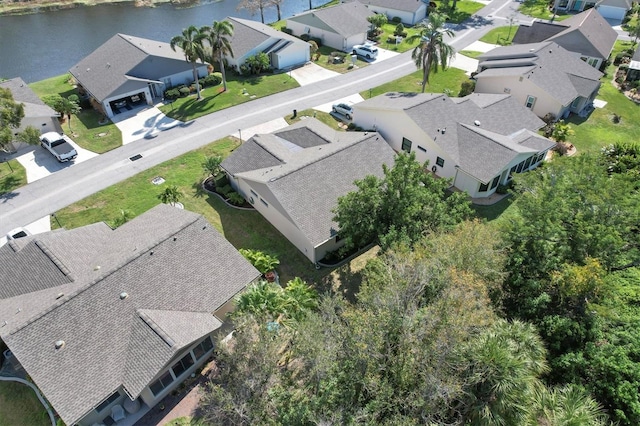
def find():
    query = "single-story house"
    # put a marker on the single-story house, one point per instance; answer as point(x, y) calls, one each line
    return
point(614, 10)
point(586, 34)
point(294, 177)
point(544, 77)
point(107, 322)
point(478, 141)
point(127, 71)
point(410, 12)
point(341, 26)
point(252, 37)
point(633, 73)
point(36, 112)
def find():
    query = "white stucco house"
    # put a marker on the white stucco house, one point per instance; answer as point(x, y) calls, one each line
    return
point(588, 35)
point(341, 26)
point(252, 37)
point(544, 77)
point(127, 71)
point(478, 141)
point(614, 10)
point(410, 12)
point(107, 322)
point(36, 113)
point(294, 177)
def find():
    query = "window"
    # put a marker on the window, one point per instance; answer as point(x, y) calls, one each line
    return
point(575, 102)
point(440, 161)
point(264, 202)
point(527, 163)
point(253, 192)
point(406, 145)
point(107, 402)
point(165, 380)
point(593, 62)
point(531, 101)
point(421, 149)
point(483, 187)
point(182, 365)
point(519, 169)
point(495, 182)
point(202, 348)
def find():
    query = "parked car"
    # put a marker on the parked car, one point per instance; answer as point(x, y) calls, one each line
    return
point(366, 50)
point(59, 145)
point(343, 109)
point(14, 234)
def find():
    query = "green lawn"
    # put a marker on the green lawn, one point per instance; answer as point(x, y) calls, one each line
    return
point(19, 405)
point(597, 130)
point(464, 10)
point(86, 130)
point(324, 117)
point(388, 30)
point(239, 90)
point(12, 176)
point(448, 80)
point(501, 35)
point(540, 9)
point(470, 53)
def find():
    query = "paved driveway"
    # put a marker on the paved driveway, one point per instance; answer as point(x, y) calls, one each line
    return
point(144, 122)
point(39, 162)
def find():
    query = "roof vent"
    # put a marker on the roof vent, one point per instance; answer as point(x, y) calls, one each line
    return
point(60, 344)
point(59, 296)
point(124, 295)
point(477, 123)
point(444, 129)
point(18, 310)
point(96, 268)
point(4, 323)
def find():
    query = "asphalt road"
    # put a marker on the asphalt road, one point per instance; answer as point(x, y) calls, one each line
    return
point(47, 195)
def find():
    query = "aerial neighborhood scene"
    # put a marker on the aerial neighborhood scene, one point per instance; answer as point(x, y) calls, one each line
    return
point(320, 212)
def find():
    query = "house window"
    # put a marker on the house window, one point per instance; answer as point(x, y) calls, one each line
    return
point(440, 161)
point(253, 192)
point(495, 181)
point(264, 202)
point(203, 348)
point(483, 187)
point(421, 149)
point(182, 365)
point(519, 169)
point(531, 100)
point(163, 382)
point(593, 62)
point(527, 163)
point(107, 402)
point(406, 145)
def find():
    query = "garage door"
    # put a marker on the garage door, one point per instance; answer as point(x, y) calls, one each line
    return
point(610, 12)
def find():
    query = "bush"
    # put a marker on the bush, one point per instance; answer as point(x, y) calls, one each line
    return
point(224, 190)
point(172, 94)
point(212, 80)
point(305, 37)
point(317, 40)
point(399, 30)
point(184, 91)
point(624, 67)
point(467, 88)
point(236, 199)
point(620, 57)
point(221, 180)
point(396, 19)
point(504, 189)
point(286, 30)
point(263, 262)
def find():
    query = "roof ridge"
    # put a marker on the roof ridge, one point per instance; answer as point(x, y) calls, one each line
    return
point(155, 327)
point(128, 39)
point(85, 287)
point(56, 261)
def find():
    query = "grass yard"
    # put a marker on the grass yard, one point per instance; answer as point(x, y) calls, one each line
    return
point(598, 130)
point(239, 90)
point(19, 405)
point(440, 82)
point(540, 9)
point(464, 10)
point(470, 53)
point(244, 229)
point(12, 176)
point(86, 130)
point(387, 35)
point(501, 35)
point(324, 117)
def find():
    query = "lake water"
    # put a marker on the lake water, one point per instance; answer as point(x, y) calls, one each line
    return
point(44, 45)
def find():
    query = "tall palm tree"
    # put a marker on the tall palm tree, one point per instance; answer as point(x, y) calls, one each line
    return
point(190, 41)
point(219, 38)
point(432, 51)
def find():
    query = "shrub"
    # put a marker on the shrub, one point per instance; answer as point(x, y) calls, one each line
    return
point(184, 91)
point(624, 67)
point(221, 181)
point(466, 88)
point(317, 40)
point(351, 126)
point(286, 30)
point(224, 190)
point(305, 37)
point(212, 80)
point(396, 19)
point(399, 30)
point(263, 262)
point(620, 57)
point(172, 94)
point(236, 199)
point(504, 189)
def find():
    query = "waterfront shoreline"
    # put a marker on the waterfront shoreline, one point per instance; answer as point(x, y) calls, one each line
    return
point(28, 8)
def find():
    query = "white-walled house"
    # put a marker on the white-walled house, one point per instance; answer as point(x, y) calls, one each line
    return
point(544, 77)
point(36, 113)
point(410, 12)
point(107, 322)
point(478, 141)
point(587, 34)
point(127, 71)
point(294, 177)
point(252, 37)
point(341, 26)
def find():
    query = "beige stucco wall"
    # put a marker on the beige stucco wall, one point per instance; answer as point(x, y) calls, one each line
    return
point(408, 18)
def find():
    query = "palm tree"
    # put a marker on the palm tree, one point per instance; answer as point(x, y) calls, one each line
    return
point(190, 41)
point(218, 36)
point(568, 406)
point(432, 51)
point(171, 195)
point(211, 165)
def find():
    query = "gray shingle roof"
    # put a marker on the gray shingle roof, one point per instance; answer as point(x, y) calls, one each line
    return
point(346, 19)
point(536, 32)
point(33, 105)
point(125, 63)
point(481, 149)
point(175, 269)
point(553, 69)
point(248, 34)
point(313, 174)
point(402, 5)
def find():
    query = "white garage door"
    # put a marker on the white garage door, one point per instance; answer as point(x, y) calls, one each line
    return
point(610, 12)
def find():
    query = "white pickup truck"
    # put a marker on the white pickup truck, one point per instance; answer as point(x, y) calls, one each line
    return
point(59, 145)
